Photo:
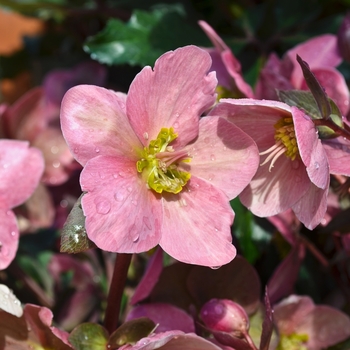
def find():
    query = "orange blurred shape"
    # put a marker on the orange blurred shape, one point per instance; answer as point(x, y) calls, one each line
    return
point(13, 27)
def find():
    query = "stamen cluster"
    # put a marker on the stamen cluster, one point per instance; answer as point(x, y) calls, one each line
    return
point(160, 164)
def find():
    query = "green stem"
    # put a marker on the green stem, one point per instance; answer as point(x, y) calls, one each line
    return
point(122, 263)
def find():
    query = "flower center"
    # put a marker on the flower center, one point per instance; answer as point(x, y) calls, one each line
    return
point(286, 142)
point(159, 164)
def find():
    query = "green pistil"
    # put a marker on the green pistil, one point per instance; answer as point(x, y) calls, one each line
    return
point(293, 342)
point(159, 164)
point(286, 134)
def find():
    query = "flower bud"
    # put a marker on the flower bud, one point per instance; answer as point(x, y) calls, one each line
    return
point(344, 38)
point(226, 316)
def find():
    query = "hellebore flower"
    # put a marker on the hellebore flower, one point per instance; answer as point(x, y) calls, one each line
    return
point(322, 55)
point(21, 168)
point(153, 172)
point(303, 325)
point(295, 164)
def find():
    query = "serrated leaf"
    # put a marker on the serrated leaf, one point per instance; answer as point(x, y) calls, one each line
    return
point(130, 332)
point(74, 238)
point(143, 38)
point(89, 336)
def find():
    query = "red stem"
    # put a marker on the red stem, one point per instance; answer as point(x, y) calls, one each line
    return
point(122, 263)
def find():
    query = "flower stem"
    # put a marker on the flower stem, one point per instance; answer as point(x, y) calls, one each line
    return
point(339, 131)
point(115, 294)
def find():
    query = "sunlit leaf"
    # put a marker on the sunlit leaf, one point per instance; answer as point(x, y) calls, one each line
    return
point(89, 336)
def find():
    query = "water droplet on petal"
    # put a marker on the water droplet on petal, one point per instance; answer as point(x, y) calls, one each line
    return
point(76, 150)
point(212, 157)
point(115, 175)
point(97, 150)
point(135, 237)
point(56, 164)
point(134, 202)
point(215, 267)
point(119, 196)
point(317, 165)
point(176, 125)
point(103, 207)
point(147, 222)
point(54, 149)
point(13, 233)
point(129, 188)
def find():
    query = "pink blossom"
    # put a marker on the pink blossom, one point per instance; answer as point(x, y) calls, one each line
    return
point(322, 55)
point(295, 164)
point(153, 172)
point(305, 325)
point(21, 168)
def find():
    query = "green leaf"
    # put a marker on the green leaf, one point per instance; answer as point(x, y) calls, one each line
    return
point(130, 332)
point(305, 100)
point(73, 237)
point(145, 37)
point(89, 336)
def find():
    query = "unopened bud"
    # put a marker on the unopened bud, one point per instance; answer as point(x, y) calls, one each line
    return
point(344, 38)
point(226, 316)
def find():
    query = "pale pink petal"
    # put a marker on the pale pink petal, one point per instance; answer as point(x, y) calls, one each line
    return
point(275, 191)
point(149, 278)
point(218, 66)
point(174, 94)
point(325, 327)
point(8, 237)
point(321, 51)
point(334, 85)
point(58, 158)
point(310, 148)
point(167, 316)
point(122, 215)
point(290, 311)
point(312, 206)
point(94, 123)
point(21, 169)
point(234, 68)
point(338, 155)
point(223, 155)
point(255, 117)
point(196, 225)
point(213, 36)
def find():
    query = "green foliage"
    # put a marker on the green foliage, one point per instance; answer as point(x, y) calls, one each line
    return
point(143, 38)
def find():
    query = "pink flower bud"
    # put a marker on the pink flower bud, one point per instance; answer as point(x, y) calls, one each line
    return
point(226, 316)
point(344, 38)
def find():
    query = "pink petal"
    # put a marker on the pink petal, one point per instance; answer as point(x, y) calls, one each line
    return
point(58, 158)
point(335, 86)
point(8, 237)
point(310, 148)
point(213, 36)
point(193, 232)
point(122, 215)
point(174, 94)
point(94, 123)
point(223, 155)
point(168, 317)
point(218, 66)
point(149, 278)
point(338, 152)
point(325, 326)
point(21, 169)
point(321, 51)
point(312, 206)
point(270, 193)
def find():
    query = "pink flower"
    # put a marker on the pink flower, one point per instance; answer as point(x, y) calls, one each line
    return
point(304, 325)
point(295, 164)
point(21, 168)
point(153, 172)
point(322, 55)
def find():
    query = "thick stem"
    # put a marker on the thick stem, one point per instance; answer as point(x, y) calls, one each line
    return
point(116, 289)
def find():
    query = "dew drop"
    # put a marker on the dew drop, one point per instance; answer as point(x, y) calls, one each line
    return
point(176, 115)
point(103, 207)
point(295, 164)
point(145, 135)
point(119, 196)
point(76, 150)
point(212, 157)
point(97, 150)
point(147, 222)
point(135, 238)
point(134, 202)
point(182, 202)
point(115, 175)
point(102, 176)
point(129, 188)
point(13, 233)
point(56, 164)
point(215, 267)
point(317, 165)
point(145, 341)
point(54, 149)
